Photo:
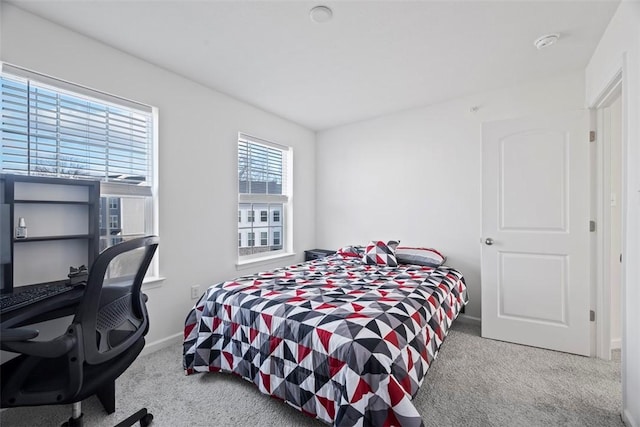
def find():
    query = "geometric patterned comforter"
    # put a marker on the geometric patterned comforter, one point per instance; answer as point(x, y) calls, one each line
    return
point(339, 340)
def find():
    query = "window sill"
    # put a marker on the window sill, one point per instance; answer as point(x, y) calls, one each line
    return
point(262, 260)
point(152, 282)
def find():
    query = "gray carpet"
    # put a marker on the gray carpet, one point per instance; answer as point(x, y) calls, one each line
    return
point(473, 382)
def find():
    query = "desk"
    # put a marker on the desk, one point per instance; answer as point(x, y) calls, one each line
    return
point(51, 308)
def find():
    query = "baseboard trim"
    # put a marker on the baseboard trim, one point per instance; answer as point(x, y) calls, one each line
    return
point(616, 343)
point(469, 319)
point(152, 347)
point(628, 421)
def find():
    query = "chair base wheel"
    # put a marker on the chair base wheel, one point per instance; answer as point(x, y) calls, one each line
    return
point(142, 416)
point(146, 420)
point(74, 422)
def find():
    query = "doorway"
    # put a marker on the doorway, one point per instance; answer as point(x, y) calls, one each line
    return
point(610, 197)
point(613, 131)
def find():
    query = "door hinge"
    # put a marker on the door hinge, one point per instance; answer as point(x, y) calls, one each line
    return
point(592, 226)
point(592, 136)
point(592, 316)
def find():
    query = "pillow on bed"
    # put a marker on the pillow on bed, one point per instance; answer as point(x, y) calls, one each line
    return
point(419, 256)
point(351, 252)
point(377, 252)
point(393, 244)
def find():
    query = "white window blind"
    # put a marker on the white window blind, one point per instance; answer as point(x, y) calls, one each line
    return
point(49, 130)
point(260, 167)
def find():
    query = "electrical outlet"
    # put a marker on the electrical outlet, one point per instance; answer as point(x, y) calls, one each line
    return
point(195, 291)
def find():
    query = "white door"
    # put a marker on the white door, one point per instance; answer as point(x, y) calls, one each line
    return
point(535, 224)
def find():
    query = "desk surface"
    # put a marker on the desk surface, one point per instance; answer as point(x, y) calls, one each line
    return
point(50, 308)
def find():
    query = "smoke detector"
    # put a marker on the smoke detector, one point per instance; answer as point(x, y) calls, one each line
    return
point(320, 14)
point(546, 40)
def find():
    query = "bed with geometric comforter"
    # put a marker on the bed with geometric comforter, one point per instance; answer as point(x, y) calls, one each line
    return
point(342, 341)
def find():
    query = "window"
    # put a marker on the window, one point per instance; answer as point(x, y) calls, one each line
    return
point(54, 128)
point(263, 186)
point(239, 239)
point(239, 216)
point(250, 216)
point(251, 238)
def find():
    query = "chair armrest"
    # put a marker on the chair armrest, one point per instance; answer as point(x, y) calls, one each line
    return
point(50, 349)
point(18, 334)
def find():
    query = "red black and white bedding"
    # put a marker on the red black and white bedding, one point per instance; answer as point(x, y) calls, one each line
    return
point(340, 340)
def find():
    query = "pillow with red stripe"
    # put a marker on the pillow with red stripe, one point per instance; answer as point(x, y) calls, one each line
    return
point(419, 256)
point(377, 252)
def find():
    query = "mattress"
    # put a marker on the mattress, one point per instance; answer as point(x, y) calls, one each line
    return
point(342, 341)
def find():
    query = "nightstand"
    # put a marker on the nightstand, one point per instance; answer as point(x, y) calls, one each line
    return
point(312, 254)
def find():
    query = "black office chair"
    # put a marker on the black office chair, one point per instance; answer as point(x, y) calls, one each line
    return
point(105, 337)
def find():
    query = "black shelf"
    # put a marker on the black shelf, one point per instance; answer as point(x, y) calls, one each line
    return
point(48, 238)
point(90, 207)
point(52, 202)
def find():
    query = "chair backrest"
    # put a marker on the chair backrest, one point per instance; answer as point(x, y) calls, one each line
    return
point(112, 315)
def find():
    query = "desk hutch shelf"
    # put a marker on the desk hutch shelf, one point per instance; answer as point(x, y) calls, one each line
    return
point(62, 218)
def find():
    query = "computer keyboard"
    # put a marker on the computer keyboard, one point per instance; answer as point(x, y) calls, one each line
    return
point(31, 295)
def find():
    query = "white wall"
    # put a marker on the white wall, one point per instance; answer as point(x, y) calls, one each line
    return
point(619, 49)
point(416, 175)
point(198, 131)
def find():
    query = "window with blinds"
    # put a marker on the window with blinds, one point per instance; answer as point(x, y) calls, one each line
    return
point(262, 187)
point(50, 127)
point(259, 168)
point(51, 132)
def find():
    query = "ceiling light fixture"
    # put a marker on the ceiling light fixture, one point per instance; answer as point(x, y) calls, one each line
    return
point(546, 40)
point(320, 14)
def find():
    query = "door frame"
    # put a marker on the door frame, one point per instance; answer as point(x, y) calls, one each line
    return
point(601, 182)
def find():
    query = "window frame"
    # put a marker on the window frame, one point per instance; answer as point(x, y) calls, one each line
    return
point(284, 199)
point(108, 188)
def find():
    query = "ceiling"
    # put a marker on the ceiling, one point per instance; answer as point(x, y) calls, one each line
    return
point(371, 59)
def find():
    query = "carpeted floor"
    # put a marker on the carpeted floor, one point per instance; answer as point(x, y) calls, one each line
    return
point(473, 382)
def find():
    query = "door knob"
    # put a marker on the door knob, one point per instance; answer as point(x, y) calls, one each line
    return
point(488, 241)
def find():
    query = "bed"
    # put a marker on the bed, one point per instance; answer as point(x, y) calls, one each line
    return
point(343, 341)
